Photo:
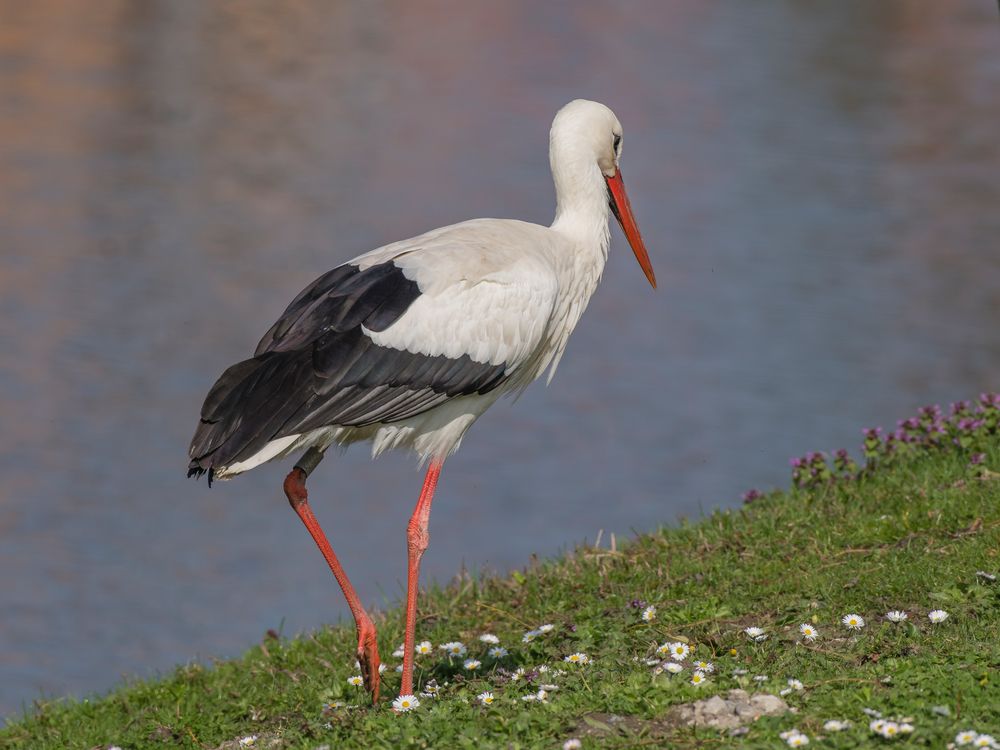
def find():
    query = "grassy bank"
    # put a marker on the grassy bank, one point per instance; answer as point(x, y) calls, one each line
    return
point(916, 531)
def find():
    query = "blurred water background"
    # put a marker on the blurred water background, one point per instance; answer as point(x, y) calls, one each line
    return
point(817, 184)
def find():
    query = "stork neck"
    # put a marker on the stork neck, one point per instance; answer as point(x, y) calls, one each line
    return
point(582, 208)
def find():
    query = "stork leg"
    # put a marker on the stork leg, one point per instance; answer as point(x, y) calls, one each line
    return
point(417, 538)
point(298, 498)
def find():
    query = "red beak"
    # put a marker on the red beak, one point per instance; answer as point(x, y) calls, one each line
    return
point(622, 210)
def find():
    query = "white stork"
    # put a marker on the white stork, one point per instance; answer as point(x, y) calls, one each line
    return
point(408, 344)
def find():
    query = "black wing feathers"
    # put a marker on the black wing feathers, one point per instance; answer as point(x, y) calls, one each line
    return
point(315, 368)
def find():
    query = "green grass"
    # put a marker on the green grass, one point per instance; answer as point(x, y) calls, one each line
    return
point(910, 535)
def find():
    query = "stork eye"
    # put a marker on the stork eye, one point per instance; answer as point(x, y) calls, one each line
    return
point(617, 141)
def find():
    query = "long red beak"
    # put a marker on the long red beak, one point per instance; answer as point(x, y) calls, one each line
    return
point(622, 210)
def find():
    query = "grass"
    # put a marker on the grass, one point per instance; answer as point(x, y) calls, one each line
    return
point(909, 533)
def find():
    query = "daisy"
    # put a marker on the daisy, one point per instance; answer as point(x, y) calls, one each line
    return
point(797, 740)
point(906, 728)
point(472, 664)
point(966, 737)
point(572, 744)
point(760, 678)
point(431, 689)
point(853, 622)
point(453, 648)
point(546, 628)
point(485, 698)
point(796, 684)
point(529, 697)
point(405, 703)
point(679, 651)
point(399, 668)
point(835, 725)
point(382, 667)
point(542, 695)
point(400, 651)
point(788, 733)
point(755, 634)
point(356, 681)
point(896, 615)
point(577, 658)
point(517, 674)
point(889, 729)
point(498, 652)
point(739, 672)
point(704, 666)
point(489, 638)
point(424, 647)
point(542, 668)
point(937, 616)
point(649, 613)
point(530, 636)
point(549, 688)
point(663, 649)
point(808, 631)
point(697, 678)
point(984, 740)
point(248, 741)
point(673, 667)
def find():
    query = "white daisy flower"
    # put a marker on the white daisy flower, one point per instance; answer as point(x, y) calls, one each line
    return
point(248, 741)
point(872, 712)
point(649, 613)
point(679, 651)
point(796, 684)
point(517, 674)
point(356, 681)
point(453, 648)
point(405, 703)
point(498, 652)
point(739, 672)
point(542, 668)
point(966, 737)
point(546, 628)
point(835, 725)
point(424, 647)
point(542, 695)
point(895, 615)
point(937, 616)
point(755, 634)
point(652, 662)
point(572, 744)
point(785, 691)
point(697, 678)
point(853, 621)
point(399, 667)
point(788, 733)
point(906, 728)
point(808, 631)
point(663, 649)
point(889, 730)
point(548, 687)
point(472, 664)
point(400, 651)
point(704, 666)
point(529, 697)
point(876, 725)
point(530, 636)
point(984, 740)
point(489, 638)
point(797, 740)
point(673, 667)
point(760, 678)
point(485, 698)
point(577, 658)
point(431, 689)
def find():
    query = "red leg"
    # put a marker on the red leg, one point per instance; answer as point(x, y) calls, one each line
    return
point(295, 489)
point(416, 542)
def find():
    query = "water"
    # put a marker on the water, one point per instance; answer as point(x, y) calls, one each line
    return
point(816, 183)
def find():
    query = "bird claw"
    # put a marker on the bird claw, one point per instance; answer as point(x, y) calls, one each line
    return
point(369, 661)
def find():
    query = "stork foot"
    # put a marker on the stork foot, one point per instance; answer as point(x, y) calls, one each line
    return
point(368, 659)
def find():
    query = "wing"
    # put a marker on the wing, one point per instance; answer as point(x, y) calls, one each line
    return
point(374, 342)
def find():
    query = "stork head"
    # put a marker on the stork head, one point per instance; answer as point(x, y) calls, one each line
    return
point(585, 145)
